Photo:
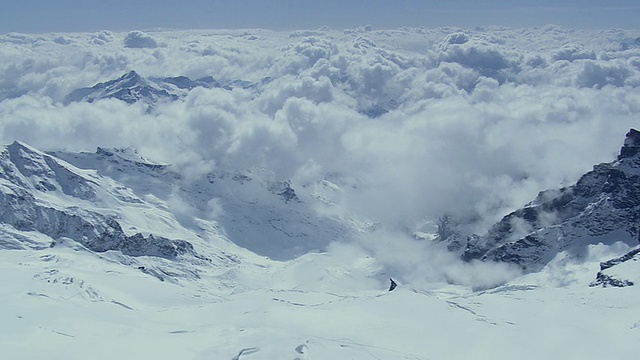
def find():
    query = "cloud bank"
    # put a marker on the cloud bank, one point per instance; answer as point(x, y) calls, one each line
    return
point(416, 123)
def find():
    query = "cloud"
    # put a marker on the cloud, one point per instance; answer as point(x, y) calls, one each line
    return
point(62, 40)
point(101, 38)
point(598, 74)
point(419, 263)
point(480, 54)
point(572, 52)
point(302, 87)
point(140, 40)
point(302, 55)
point(392, 128)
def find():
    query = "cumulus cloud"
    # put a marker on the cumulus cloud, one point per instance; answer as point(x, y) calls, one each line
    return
point(101, 38)
point(398, 127)
point(572, 52)
point(599, 74)
point(62, 40)
point(140, 40)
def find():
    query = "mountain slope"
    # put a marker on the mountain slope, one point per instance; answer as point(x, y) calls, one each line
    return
point(254, 211)
point(129, 88)
point(58, 303)
point(46, 202)
point(602, 207)
point(132, 87)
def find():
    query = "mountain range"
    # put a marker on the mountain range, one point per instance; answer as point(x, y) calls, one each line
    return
point(115, 200)
point(87, 238)
point(132, 87)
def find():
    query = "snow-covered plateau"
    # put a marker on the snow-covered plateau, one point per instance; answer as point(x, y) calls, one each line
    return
point(246, 195)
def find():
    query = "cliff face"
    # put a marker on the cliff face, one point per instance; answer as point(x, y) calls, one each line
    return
point(41, 194)
point(602, 207)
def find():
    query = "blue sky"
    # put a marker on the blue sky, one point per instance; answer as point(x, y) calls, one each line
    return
point(118, 15)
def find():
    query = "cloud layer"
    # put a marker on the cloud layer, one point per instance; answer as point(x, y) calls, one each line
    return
point(417, 123)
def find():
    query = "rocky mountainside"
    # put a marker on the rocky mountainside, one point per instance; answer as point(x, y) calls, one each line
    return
point(150, 217)
point(602, 207)
point(612, 273)
point(42, 195)
point(114, 199)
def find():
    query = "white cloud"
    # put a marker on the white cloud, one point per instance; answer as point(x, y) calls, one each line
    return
point(471, 123)
point(140, 40)
point(572, 52)
point(101, 38)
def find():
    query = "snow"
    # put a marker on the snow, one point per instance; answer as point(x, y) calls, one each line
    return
point(63, 303)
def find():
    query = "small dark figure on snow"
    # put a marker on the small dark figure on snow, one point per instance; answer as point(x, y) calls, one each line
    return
point(393, 285)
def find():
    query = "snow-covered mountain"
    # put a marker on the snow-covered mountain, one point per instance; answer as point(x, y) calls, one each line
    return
point(602, 207)
point(105, 201)
point(253, 210)
point(30, 178)
point(112, 237)
point(132, 87)
point(47, 202)
point(96, 198)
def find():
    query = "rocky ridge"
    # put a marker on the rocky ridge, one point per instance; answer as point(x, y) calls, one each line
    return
point(602, 207)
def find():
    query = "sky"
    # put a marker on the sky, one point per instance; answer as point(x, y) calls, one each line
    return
point(42, 16)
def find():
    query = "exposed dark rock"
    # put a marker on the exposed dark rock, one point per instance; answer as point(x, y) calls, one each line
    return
point(613, 262)
point(602, 202)
point(392, 285)
point(608, 281)
point(284, 190)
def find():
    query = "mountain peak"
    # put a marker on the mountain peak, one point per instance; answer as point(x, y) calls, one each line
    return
point(631, 145)
point(20, 144)
point(130, 74)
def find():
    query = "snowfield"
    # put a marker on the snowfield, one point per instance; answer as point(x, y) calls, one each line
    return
point(63, 303)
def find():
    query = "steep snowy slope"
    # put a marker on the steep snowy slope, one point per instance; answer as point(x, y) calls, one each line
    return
point(263, 215)
point(602, 207)
point(46, 203)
